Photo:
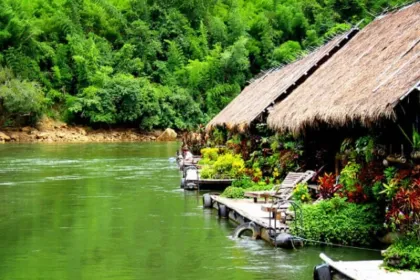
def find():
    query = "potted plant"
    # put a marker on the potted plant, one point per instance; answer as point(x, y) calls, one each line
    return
point(415, 154)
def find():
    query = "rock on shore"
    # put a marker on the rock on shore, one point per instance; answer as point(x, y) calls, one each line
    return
point(4, 137)
point(167, 135)
point(50, 131)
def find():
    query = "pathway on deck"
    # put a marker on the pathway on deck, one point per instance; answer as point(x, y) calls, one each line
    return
point(250, 210)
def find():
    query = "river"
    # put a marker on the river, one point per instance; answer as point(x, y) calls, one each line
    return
point(115, 211)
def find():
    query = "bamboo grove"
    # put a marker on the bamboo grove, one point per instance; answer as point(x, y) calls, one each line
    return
point(152, 64)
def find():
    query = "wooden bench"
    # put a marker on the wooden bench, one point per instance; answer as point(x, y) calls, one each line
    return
point(288, 184)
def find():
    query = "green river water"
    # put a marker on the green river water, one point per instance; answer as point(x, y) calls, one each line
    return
point(115, 211)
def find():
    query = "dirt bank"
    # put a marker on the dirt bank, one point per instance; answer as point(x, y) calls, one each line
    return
point(50, 131)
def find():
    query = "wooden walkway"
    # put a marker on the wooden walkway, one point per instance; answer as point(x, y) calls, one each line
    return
point(227, 182)
point(369, 270)
point(251, 211)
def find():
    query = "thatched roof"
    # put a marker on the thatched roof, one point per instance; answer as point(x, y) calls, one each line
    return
point(363, 81)
point(265, 90)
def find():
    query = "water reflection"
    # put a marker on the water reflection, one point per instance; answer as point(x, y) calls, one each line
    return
point(115, 211)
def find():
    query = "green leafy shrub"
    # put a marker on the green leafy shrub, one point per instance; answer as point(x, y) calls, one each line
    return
point(209, 155)
point(301, 193)
point(246, 184)
point(352, 187)
point(338, 221)
point(243, 183)
point(348, 176)
point(20, 101)
point(404, 254)
point(226, 166)
point(229, 166)
point(207, 172)
point(233, 192)
point(260, 186)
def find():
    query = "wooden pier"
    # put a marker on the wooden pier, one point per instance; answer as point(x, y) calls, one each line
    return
point(245, 211)
point(213, 184)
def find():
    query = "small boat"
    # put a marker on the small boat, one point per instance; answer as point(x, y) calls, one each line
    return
point(182, 162)
point(191, 180)
point(358, 270)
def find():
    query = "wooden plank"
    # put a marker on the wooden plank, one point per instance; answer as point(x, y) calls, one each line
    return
point(212, 181)
point(249, 210)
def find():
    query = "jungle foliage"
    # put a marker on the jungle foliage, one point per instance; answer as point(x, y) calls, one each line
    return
point(338, 221)
point(151, 63)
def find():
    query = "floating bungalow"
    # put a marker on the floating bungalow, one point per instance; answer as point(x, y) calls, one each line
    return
point(253, 104)
point(367, 80)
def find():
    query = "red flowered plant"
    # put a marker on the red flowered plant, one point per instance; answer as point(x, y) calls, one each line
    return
point(371, 173)
point(356, 195)
point(328, 186)
point(403, 174)
point(416, 183)
point(407, 200)
point(405, 207)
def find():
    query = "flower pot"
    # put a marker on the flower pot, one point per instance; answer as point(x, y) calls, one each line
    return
point(415, 154)
point(396, 159)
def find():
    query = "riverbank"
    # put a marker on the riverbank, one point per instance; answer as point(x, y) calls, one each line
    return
point(51, 131)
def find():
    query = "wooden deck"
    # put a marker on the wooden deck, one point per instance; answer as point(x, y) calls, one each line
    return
point(213, 181)
point(368, 270)
point(251, 211)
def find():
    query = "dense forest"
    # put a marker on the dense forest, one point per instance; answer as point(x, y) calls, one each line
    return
point(149, 63)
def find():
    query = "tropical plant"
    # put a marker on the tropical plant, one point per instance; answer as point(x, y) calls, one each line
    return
point(218, 136)
point(301, 193)
point(404, 212)
point(209, 155)
point(365, 146)
point(229, 165)
point(390, 189)
point(225, 166)
point(328, 186)
point(349, 175)
point(390, 173)
point(415, 140)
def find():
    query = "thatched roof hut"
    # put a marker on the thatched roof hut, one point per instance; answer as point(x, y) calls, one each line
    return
point(363, 82)
point(263, 92)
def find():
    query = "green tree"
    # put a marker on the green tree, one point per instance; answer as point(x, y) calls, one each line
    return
point(150, 63)
point(21, 102)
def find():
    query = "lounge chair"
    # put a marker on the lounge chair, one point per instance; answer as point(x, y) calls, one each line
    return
point(285, 188)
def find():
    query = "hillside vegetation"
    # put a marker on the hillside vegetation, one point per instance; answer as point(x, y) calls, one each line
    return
point(148, 64)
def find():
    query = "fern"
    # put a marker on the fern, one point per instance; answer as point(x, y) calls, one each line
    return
point(111, 10)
